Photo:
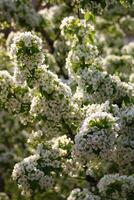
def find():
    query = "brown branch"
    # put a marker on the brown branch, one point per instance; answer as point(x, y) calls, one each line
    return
point(2, 184)
point(6, 31)
point(47, 38)
point(36, 4)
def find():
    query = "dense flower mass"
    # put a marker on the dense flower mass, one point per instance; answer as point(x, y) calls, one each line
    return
point(97, 136)
point(97, 87)
point(66, 100)
point(84, 194)
point(25, 46)
point(118, 187)
point(27, 50)
point(39, 168)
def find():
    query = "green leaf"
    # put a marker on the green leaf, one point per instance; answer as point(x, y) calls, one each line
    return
point(88, 16)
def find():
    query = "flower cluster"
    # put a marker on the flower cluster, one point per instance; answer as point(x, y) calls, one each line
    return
point(63, 144)
point(83, 53)
point(98, 87)
point(123, 154)
point(74, 28)
point(14, 98)
point(27, 50)
point(128, 49)
point(35, 137)
point(80, 56)
point(122, 65)
point(97, 136)
point(25, 46)
point(67, 24)
point(116, 187)
point(40, 169)
point(52, 103)
point(84, 194)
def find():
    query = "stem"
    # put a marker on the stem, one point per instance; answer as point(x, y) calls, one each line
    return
point(2, 184)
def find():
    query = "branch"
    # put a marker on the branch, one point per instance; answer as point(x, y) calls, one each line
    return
point(36, 4)
point(6, 31)
point(47, 38)
point(2, 184)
